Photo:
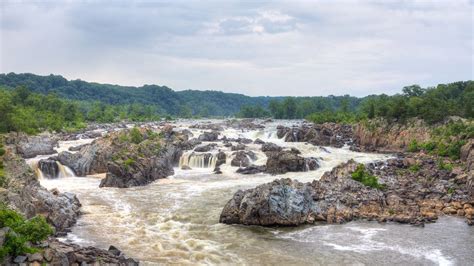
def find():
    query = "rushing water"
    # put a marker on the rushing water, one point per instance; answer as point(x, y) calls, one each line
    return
point(175, 220)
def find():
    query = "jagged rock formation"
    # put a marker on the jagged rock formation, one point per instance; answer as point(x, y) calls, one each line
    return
point(49, 168)
point(281, 162)
point(24, 194)
point(31, 146)
point(327, 134)
point(408, 197)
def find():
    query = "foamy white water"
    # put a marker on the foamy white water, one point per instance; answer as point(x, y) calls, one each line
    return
point(175, 220)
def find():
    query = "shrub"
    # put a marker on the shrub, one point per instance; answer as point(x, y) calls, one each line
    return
point(415, 168)
point(2, 151)
point(445, 166)
point(361, 175)
point(22, 232)
point(429, 146)
point(136, 136)
point(413, 146)
point(129, 162)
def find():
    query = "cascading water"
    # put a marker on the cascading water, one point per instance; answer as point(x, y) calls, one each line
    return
point(198, 160)
point(175, 220)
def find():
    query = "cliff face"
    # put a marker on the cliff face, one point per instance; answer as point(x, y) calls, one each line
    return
point(24, 193)
point(381, 136)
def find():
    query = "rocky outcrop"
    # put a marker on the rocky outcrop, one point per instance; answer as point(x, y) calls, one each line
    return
point(209, 136)
point(55, 252)
point(467, 156)
point(205, 148)
point(413, 190)
point(49, 168)
point(270, 147)
point(24, 194)
point(243, 158)
point(238, 147)
point(327, 134)
point(281, 162)
point(252, 169)
point(382, 136)
point(90, 159)
point(31, 146)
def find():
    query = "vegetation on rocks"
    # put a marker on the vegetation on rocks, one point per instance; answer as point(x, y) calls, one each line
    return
point(2, 167)
point(21, 232)
point(361, 175)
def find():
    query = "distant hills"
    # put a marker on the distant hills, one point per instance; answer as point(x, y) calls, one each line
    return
point(167, 101)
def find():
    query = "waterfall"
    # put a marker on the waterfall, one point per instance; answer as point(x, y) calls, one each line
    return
point(64, 171)
point(198, 160)
point(54, 170)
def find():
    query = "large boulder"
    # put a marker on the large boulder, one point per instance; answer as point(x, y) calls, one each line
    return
point(252, 169)
point(243, 158)
point(327, 134)
point(209, 136)
point(280, 162)
point(31, 146)
point(270, 147)
point(281, 202)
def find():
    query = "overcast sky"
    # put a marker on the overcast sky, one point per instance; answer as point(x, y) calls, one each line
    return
point(250, 47)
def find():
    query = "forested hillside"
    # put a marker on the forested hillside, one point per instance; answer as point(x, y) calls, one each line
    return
point(163, 100)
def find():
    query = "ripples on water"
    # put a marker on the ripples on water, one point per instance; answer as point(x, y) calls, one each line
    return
point(175, 220)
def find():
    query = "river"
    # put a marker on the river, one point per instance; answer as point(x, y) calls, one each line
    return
point(175, 220)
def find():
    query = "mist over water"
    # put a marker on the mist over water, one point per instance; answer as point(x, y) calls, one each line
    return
point(175, 220)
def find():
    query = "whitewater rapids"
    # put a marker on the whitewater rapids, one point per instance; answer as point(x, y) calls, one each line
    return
point(175, 220)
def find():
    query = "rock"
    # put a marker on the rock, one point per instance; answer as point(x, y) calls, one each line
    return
point(20, 259)
point(186, 167)
point(221, 158)
point(209, 136)
point(327, 134)
point(77, 148)
point(282, 202)
point(115, 251)
point(252, 169)
point(49, 168)
point(3, 233)
point(205, 148)
point(259, 141)
point(399, 195)
point(280, 162)
point(311, 164)
point(244, 141)
point(35, 257)
point(217, 170)
point(242, 158)
point(27, 196)
point(271, 147)
point(31, 146)
point(238, 147)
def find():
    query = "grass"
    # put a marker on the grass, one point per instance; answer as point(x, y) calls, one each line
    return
point(361, 175)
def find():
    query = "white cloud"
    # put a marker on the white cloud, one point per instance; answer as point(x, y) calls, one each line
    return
point(256, 48)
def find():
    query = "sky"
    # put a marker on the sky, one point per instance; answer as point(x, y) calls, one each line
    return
point(258, 48)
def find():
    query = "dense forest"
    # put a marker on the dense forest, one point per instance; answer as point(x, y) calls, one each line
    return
point(164, 101)
point(32, 103)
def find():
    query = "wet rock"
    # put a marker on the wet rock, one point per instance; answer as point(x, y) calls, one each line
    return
point(252, 169)
point(205, 148)
point(221, 158)
point(209, 136)
point(242, 158)
point(26, 195)
point(280, 162)
point(282, 202)
point(244, 141)
point(259, 141)
point(49, 168)
point(327, 134)
point(238, 147)
point(20, 259)
point(311, 164)
point(401, 195)
point(77, 148)
point(31, 146)
point(186, 167)
point(271, 147)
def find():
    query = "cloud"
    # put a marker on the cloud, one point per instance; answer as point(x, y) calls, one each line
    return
point(256, 48)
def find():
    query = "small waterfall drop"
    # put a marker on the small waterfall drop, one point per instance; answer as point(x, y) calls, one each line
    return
point(51, 169)
point(198, 160)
